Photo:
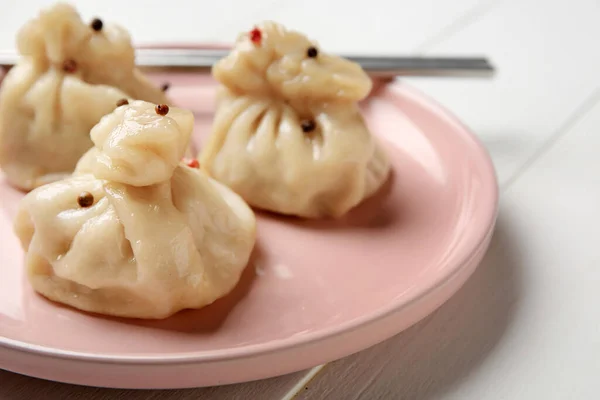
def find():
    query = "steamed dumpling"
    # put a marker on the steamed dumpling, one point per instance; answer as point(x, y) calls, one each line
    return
point(288, 135)
point(70, 74)
point(135, 232)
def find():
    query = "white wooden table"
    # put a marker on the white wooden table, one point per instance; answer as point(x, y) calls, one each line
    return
point(527, 324)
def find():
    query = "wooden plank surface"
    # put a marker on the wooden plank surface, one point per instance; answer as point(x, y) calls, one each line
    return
point(20, 387)
point(546, 70)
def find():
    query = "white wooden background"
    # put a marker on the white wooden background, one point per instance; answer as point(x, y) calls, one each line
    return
point(527, 325)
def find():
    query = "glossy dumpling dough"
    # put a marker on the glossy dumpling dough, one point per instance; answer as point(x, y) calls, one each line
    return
point(68, 77)
point(155, 236)
point(288, 135)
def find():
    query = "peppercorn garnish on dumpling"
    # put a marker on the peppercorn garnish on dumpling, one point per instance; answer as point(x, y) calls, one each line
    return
point(288, 135)
point(255, 36)
point(59, 90)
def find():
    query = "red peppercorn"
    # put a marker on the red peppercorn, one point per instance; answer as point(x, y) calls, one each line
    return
point(256, 36)
point(69, 66)
point(193, 163)
point(162, 109)
point(122, 102)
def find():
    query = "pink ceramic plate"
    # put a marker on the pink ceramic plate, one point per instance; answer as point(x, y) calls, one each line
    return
point(314, 291)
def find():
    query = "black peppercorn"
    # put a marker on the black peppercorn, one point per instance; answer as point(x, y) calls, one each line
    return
point(308, 126)
point(312, 52)
point(97, 24)
point(85, 199)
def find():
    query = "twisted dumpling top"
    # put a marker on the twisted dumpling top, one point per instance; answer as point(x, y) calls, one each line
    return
point(273, 61)
point(58, 34)
point(97, 52)
point(138, 146)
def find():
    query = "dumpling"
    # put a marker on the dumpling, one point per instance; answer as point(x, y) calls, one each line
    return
point(288, 135)
point(69, 76)
point(136, 232)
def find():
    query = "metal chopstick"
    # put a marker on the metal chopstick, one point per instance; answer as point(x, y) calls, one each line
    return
point(383, 67)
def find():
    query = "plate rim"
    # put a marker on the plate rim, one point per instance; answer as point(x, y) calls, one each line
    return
point(396, 89)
